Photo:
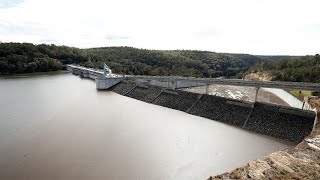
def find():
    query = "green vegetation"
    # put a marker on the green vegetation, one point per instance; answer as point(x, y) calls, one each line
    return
point(18, 58)
point(277, 58)
point(301, 94)
point(302, 69)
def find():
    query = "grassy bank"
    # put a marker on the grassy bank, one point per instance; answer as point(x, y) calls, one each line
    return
point(300, 94)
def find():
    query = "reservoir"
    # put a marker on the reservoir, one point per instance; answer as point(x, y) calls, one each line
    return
point(59, 126)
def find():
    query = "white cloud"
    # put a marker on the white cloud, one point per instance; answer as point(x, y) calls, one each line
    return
point(247, 26)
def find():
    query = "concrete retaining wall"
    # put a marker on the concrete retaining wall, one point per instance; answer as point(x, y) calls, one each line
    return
point(106, 83)
point(185, 84)
point(165, 84)
point(289, 98)
point(170, 84)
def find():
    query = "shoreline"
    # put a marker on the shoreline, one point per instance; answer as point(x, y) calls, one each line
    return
point(22, 75)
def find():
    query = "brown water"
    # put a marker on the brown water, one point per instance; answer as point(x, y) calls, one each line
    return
point(60, 127)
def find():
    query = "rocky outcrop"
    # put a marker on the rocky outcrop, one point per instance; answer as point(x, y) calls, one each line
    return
point(261, 76)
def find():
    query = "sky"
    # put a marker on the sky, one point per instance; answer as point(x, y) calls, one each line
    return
point(262, 27)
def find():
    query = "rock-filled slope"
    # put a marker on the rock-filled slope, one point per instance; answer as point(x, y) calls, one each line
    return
point(281, 122)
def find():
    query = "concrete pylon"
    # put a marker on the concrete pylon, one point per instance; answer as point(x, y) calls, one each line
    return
point(256, 96)
point(173, 84)
point(207, 89)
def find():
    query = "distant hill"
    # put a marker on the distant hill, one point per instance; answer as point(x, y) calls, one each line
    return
point(26, 57)
point(277, 58)
point(130, 60)
point(298, 69)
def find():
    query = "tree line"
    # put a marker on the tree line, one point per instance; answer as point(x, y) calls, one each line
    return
point(18, 58)
point(301, 69)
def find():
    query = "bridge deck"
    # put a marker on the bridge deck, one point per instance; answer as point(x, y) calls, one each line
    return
point(238, 82)
point(86, 69)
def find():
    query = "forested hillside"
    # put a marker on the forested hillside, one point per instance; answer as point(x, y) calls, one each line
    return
point(18, 58)
point(302, 69)
point(25, 58)
point(277, 58)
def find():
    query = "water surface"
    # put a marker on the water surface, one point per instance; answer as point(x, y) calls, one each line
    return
point(60, 127)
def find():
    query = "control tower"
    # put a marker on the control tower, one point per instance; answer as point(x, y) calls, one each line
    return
point(107, 71)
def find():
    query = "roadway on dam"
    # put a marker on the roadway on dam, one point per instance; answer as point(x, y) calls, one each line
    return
point(61, 127)
point(92, 73)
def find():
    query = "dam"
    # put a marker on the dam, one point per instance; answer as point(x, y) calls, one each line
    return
point(286, 123)
point(65, 129)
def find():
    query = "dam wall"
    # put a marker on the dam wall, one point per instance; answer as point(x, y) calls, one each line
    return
point(287, 123)
point(123, 87)
point(181, 101)
point(146, 94)
point(229, 111)
point(282, 122)
point(84, 72)
point(167, 83)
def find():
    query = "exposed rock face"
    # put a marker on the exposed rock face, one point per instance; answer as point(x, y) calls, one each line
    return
point(300, 162)
point(314, 102)
point(261, 76)
point(286, 164)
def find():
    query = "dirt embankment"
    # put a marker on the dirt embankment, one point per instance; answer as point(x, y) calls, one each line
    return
point(261, 76)
point(315, 102)
point(300, 162)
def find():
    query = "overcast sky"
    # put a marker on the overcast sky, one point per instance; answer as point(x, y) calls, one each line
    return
point(287, 27)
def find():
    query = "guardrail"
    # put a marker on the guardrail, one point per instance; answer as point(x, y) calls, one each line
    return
point(237, 82)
